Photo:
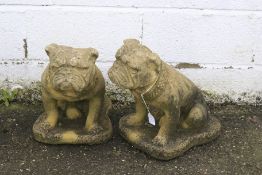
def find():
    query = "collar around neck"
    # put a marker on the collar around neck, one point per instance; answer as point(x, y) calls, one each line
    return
point(157, 88)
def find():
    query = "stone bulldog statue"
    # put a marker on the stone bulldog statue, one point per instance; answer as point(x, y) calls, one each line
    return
point(73, 93)
point(179, 109)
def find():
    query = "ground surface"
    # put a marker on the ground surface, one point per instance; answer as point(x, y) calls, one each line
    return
point(237, 151)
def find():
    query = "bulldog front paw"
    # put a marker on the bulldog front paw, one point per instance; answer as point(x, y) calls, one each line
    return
point(51, 120)
point(135, 120)
point(160, 140)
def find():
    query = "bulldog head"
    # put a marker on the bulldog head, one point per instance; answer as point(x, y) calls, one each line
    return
point(71, 69)
point(136, 66)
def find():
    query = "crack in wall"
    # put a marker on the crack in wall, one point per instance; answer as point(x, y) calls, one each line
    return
point(25, 48)
point(142, 28)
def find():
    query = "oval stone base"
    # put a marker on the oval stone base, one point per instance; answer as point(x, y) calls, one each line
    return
point(141, 137)
point(71, 132)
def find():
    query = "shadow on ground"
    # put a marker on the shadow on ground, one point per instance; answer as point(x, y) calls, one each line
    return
point(237, 151)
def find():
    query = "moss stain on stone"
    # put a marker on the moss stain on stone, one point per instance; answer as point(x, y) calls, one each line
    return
point(188, 66)
point(229, 67)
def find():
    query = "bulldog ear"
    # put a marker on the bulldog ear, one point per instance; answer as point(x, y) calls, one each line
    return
point(155, 59)
point(50, 48)
point(93, 54)
point(131, 42)
point(118, 53)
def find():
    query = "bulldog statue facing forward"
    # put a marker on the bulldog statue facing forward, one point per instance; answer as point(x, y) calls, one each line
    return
point(179, 109)
point(73, 94)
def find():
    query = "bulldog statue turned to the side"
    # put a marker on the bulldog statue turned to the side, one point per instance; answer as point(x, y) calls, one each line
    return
point(179, 109)
point(73, 94)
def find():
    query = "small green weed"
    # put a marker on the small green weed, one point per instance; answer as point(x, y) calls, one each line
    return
point(7, 96)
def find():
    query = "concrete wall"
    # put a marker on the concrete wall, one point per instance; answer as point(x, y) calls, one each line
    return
point(223, 37)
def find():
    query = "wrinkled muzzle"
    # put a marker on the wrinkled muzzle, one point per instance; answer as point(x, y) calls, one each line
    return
point(120, 75)
point(68, 80)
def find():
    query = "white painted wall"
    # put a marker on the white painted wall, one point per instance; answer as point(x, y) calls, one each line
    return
point(214, 33)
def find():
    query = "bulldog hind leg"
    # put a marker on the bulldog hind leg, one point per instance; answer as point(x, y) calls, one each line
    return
point(196, 117)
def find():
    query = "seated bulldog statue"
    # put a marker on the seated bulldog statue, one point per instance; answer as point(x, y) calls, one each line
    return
point(177, 105)
point(73, 94)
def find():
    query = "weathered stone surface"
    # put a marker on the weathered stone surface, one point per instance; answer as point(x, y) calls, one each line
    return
point(73, 94)
point(141, 137)
point(178, 106)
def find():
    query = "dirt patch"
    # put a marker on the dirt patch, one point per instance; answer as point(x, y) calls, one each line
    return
point(237, 151)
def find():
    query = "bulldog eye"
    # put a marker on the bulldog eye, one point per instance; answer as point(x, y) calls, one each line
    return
point(134, 70)
point(83, 68)
point(54, 66)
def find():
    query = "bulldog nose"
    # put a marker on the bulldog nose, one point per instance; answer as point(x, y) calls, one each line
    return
point(66, 86)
